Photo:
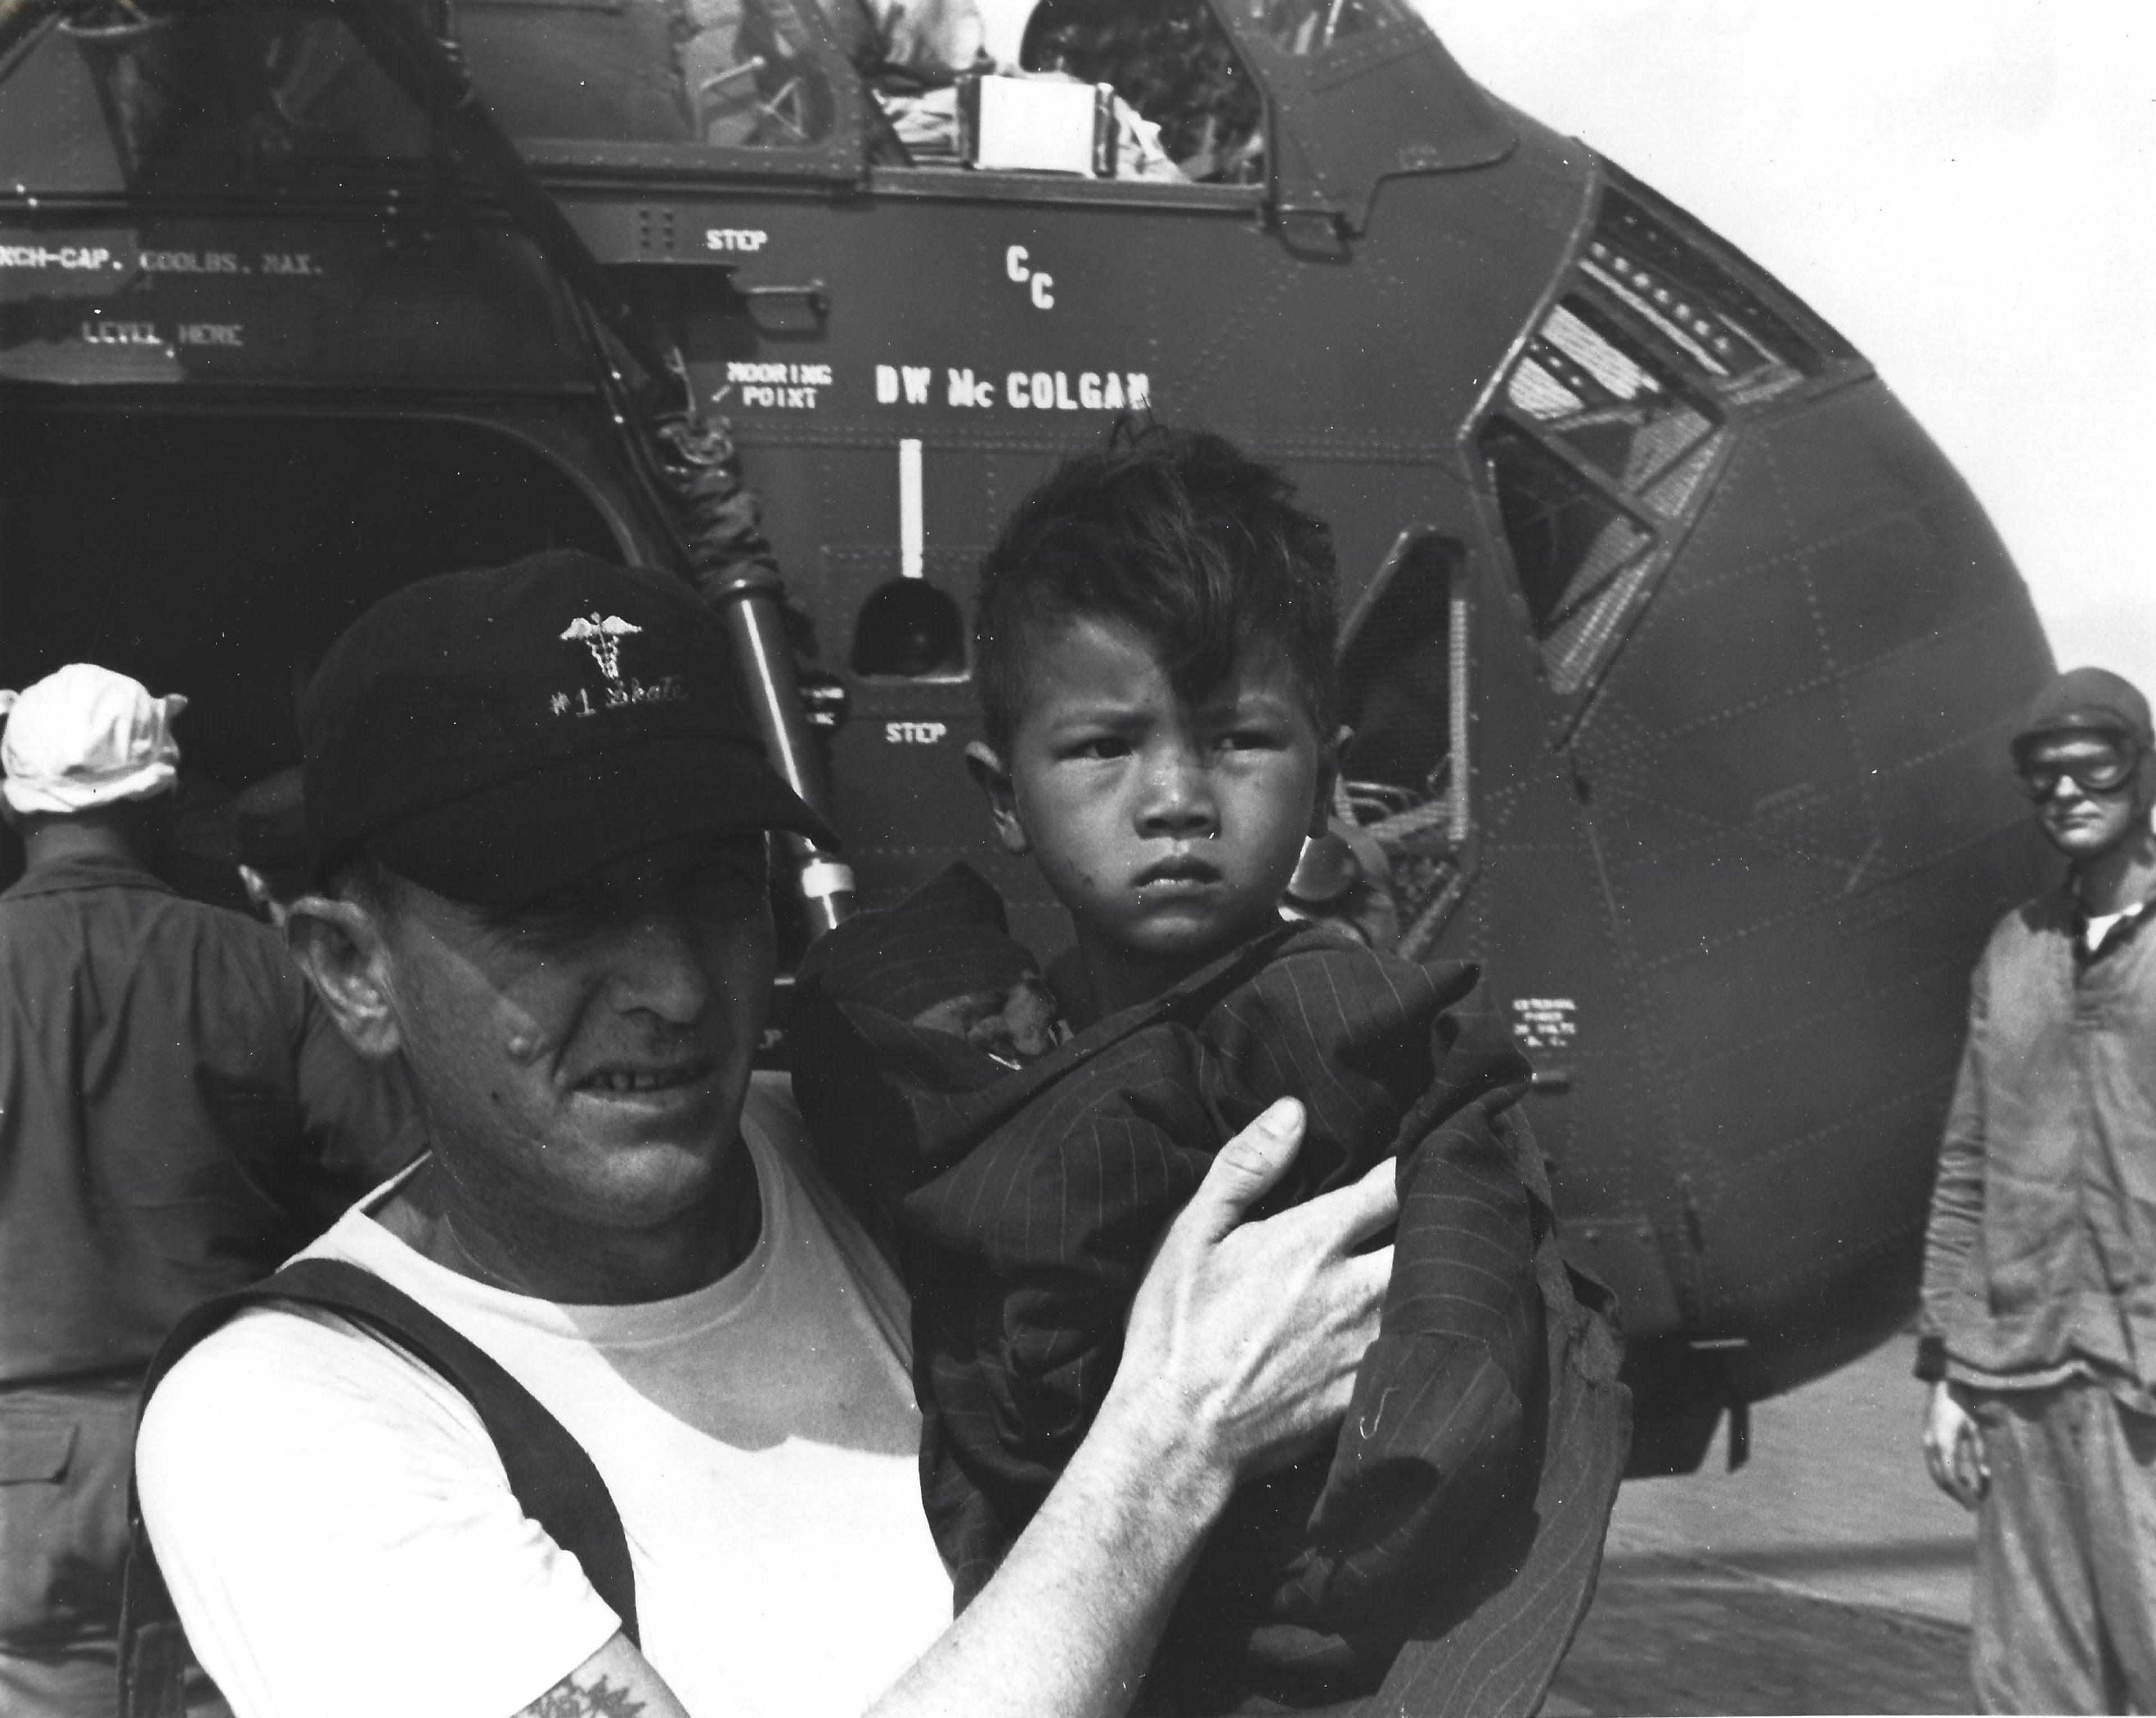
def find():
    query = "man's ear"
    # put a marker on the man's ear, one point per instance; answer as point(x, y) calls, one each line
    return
point(987, 768)
point(340, 947)
point(1329, 761)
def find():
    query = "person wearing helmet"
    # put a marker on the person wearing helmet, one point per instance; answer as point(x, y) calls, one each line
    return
point(2038, 1335)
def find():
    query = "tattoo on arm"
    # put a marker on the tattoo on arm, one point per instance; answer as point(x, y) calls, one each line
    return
point(571, 1698)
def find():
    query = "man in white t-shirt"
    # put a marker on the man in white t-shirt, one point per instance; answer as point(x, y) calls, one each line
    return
point(537, 802)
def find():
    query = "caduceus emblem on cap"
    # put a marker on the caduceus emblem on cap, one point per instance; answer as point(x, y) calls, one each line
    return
point(604, 636)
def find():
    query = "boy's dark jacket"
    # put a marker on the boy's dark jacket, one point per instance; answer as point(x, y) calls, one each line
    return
point(1441, 1558)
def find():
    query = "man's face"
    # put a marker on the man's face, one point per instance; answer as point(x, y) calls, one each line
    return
point(583, 1059)
point(2067, 774)
point(1168, 829)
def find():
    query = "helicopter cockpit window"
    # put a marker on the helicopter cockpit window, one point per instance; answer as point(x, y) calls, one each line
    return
point(268, 97)
point(1304, 28)
point(1595, 456)
point(1604, 440)
point(1102, 89)
point(279, 96)
point(1171, 64)
point(737, 74)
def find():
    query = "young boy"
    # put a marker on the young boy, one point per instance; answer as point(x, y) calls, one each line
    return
point(1154, 654)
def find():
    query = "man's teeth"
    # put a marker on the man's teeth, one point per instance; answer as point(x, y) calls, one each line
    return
point(634, 1080)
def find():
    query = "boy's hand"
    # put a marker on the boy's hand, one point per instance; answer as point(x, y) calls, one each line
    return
point(1247, 1334)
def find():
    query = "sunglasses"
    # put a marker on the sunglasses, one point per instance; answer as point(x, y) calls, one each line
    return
point(2103, 773)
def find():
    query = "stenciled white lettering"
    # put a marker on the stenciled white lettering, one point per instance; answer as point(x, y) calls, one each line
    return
point(914, 733)
point(969, 390)
point(795, 387)
point(962, 390)
point(76, 257)
point(912, 378)
point(801, 375)
point(1545, 1022)
point(1050, 390)
point(100, 333)
point(190, 262)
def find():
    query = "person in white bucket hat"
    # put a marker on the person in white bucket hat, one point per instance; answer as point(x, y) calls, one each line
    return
point(179, 1115)
point(86, 737)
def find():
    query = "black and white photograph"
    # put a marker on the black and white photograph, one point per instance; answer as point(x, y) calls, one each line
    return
point(1072, 857)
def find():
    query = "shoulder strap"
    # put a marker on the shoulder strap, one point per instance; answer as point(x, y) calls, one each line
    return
point(549, 1471)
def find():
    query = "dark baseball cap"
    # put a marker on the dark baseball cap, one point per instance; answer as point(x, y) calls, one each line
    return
point(493, 733)
point(2086, 701)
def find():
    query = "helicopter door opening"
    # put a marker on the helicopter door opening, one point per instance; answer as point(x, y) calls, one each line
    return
point(219, 557)
point(1405, 691)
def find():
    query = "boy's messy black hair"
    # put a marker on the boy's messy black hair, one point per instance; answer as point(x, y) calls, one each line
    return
point(1177, 534)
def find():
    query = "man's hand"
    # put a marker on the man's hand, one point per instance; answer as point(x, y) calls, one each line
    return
point(1953, 1448)
point(1251, 1332)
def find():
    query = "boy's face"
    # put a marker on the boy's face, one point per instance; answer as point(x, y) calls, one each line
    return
point(1167, 829)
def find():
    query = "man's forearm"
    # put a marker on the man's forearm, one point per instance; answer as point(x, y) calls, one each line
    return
point(1068, 1624)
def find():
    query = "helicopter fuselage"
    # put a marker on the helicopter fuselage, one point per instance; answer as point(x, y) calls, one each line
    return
point(1687, 660)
